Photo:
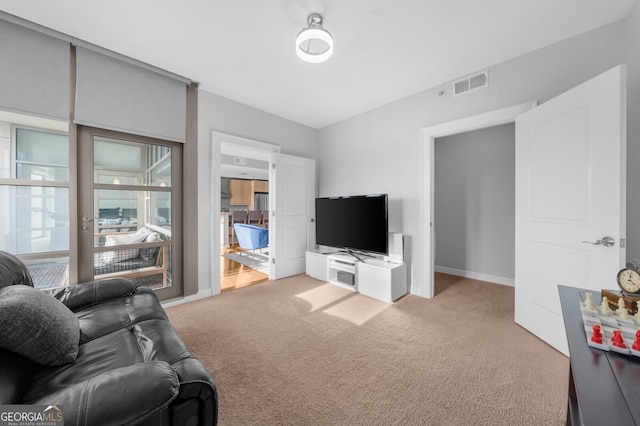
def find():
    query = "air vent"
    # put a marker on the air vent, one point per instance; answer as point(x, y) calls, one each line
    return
point(471, 83)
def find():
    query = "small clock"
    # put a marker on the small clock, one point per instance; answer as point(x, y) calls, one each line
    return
point(629, 280)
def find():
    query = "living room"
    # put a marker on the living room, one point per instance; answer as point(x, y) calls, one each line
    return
point(378, 150)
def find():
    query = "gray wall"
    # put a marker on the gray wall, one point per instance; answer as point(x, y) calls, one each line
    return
point(223, 115)
point(378, 151)
point(474, 218)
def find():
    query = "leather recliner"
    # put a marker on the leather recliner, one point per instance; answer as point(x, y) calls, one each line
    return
point(131, 366)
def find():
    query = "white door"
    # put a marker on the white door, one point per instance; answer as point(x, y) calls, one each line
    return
point(293, 182)
point(570, 188)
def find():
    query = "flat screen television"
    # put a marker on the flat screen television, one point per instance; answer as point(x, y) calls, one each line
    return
point(355, 223)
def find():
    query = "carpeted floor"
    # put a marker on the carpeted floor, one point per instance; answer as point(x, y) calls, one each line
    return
point(298, 351)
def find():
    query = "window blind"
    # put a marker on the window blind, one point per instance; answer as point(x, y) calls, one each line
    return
point(119, 95)
point(34, 72)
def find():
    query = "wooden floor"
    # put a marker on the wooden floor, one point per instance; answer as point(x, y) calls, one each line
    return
point(235, 275)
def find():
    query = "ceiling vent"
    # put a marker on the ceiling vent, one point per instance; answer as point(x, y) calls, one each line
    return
point(471, 83)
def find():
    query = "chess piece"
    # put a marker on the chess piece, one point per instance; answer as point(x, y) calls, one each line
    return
point(596, 337)
point(617, 339)
point(588, 303)
point(636, 344)
point(622, 309)
point(604, 306)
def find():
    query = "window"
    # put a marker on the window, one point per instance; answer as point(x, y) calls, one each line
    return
point(34, 195)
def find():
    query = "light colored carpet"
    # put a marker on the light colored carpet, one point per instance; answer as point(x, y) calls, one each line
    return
point(258, 260)
point(298, 351)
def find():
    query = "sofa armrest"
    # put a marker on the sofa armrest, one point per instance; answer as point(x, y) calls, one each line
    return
point(196, 383)
point(126, 395)
point(16, 372)
point(87, 294)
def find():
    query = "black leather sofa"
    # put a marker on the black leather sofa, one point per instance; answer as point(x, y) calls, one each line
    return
point(128, 366)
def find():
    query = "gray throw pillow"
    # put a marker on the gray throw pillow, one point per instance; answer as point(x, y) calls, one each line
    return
point(37, 326)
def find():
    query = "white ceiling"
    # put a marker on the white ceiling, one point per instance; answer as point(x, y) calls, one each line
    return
point(384, 50)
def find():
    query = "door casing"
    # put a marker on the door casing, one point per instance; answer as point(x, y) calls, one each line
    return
point(424, 284)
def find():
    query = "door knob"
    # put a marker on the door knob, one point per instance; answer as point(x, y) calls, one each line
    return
point(605, 241)
point(84, 221)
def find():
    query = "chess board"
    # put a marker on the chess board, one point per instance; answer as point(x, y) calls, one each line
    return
point(615, 330)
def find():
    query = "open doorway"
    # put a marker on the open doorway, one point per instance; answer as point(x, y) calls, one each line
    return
point(241, 196)
point(474, 212)
point(425, 285)
point(244, 217)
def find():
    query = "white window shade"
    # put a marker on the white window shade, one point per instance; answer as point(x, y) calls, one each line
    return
point(34, 71)
point(118, 95)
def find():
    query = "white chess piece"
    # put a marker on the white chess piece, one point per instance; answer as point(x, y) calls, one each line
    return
point(588, 303)
point(622, 309)
point(604, 306)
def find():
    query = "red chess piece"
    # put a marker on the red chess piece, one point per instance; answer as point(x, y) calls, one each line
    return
point(596, 337)
point(636, 344)
point(617, 339)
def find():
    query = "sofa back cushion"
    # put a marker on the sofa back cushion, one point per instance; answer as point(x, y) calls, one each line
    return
point(13, 271)
point(119, 239)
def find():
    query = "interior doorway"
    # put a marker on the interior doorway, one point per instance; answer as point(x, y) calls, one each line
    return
point(474, 204)
point(243, 198)
point(425, 286)
point(291, 200)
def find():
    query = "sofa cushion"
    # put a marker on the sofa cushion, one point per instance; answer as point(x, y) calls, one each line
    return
point(121, 396)
point(94, 292)
point(37, 326)
point(116, 333)
point(150, 253)
point(13, 271)
point(125, 265)
point(120, 239)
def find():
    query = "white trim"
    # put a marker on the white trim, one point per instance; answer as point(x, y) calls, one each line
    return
point(511, 282)
point(424, 285)
point(217, 140)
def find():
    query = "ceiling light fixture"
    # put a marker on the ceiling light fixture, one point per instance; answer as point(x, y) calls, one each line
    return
point(314, 44)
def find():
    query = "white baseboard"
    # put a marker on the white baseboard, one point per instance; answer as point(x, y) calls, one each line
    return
point(202, 294)
point(476, 276)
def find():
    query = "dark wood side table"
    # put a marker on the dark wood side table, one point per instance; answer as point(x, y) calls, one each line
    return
point(604, 387)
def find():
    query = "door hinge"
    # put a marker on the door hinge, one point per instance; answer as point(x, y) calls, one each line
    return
point(273, 166)
point(273, 260)
point(623, 242)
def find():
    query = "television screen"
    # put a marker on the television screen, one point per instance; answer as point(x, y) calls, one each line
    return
point(353, 222)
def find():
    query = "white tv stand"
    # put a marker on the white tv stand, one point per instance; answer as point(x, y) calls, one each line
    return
point(376, 278)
